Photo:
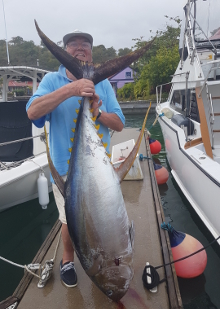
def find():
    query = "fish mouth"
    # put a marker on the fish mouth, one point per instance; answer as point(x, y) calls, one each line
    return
point(114, 281)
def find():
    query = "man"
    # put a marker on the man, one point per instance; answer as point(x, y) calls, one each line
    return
point(56, 101)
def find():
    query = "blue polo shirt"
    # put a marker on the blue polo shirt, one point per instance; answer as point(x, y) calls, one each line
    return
point(61, 119)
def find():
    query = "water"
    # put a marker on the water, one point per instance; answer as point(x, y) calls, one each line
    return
point(202, 292)
point(24, 228)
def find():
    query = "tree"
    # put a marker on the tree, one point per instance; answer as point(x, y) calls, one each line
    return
point(124, 51)
point(16, 40)
point(101, 54)
point(157, 64)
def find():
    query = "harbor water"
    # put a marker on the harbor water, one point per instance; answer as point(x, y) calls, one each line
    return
point(24, 227)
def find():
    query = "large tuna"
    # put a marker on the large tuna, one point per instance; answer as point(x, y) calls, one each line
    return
point(96, 214)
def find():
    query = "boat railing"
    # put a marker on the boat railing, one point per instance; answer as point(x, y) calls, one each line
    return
point(42, 138)
point(13, 164)
point(159, 92)
point(214, 66)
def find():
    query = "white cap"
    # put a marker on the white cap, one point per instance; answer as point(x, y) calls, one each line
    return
point(76, 33)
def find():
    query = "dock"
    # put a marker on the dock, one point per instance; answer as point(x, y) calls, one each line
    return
point(137, 107)
point(151, 245)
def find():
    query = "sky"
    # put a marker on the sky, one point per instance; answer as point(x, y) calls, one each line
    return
point(111, 22)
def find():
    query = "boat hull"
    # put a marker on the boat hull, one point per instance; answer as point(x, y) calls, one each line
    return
point(197, 175)
point(19, 184)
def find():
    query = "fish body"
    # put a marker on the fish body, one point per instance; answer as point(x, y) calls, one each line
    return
point(96, 214)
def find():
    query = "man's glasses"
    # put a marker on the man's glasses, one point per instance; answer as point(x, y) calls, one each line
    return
point(84, 45)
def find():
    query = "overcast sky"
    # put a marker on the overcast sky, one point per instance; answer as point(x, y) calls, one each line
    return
point(111, 22)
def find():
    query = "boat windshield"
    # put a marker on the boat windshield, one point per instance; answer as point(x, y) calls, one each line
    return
point(205, 21)
point(206, 14)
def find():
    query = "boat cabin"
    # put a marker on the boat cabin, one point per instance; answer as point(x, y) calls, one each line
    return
point(14, 123)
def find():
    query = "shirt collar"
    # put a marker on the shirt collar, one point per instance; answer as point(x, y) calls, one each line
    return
point(62, 71)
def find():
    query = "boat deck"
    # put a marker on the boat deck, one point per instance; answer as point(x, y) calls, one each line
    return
point(151, 245)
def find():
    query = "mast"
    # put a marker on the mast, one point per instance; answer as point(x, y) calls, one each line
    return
point(6, 39)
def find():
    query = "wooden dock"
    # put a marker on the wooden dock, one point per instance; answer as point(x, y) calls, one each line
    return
point(152, 245)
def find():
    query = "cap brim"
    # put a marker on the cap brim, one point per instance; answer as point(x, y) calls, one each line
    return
point(69, 36)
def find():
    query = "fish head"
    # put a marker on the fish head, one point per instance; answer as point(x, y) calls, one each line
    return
point(114, 281)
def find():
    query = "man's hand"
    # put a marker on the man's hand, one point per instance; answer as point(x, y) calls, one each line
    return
point(96, 104)
point(82, 88)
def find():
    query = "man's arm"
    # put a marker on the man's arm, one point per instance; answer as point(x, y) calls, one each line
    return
point(48, 102)
point(110, 120)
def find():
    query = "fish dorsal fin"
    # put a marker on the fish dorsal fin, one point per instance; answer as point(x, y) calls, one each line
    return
point(125, 166)
point(57, 178)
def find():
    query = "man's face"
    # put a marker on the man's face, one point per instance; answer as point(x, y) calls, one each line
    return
point(80, 48)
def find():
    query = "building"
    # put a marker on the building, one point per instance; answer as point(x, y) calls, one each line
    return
point(120, 79)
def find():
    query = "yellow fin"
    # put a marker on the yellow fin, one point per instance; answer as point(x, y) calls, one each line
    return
point(100, 135)
point(77, 111)
point(80, 101)
point(109, 155)
point(72, 139)
point(75, 120)
point(73, 130)
point(68, 161)
point(97, 127)
point(93, 118)
point(105, 144)
point(91, 110)
point(70, 149)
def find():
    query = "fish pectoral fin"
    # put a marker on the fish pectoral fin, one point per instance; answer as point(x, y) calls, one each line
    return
point(131, 233)
point(96, 266)
point(125, 166)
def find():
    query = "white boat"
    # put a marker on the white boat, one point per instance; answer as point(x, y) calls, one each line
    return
point(190, 119)
point(22, 148)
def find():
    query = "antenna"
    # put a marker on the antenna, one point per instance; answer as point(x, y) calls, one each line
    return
point(5, 33)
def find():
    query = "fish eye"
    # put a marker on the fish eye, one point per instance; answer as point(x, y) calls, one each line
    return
point(109, 293)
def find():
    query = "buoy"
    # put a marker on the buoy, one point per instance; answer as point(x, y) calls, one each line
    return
point(155, 146)
point(183, 245)
point(43, 195)
point(161, 174)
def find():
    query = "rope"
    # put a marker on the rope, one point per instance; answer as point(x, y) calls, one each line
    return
point(44, 270)
point(155, 121)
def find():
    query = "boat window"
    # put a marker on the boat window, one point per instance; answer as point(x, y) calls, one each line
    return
point(178, 103)
point(15, 125)
point(194, 113)
point(208, 22)
point(178, 100)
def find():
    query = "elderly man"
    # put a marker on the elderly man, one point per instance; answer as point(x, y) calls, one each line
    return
point(56, 101)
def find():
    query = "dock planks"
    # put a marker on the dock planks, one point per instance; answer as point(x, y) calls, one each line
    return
point(152, 245)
